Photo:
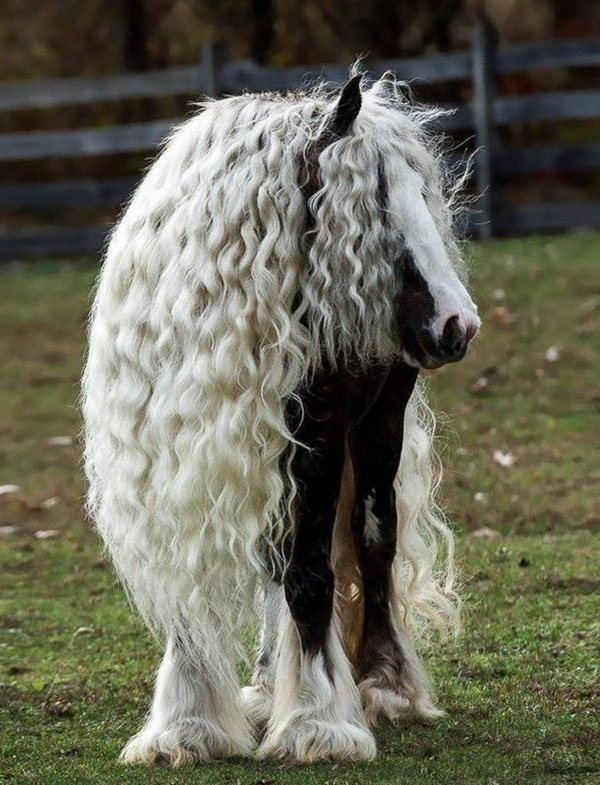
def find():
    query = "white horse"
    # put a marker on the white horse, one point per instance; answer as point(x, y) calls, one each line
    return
point(252, 417)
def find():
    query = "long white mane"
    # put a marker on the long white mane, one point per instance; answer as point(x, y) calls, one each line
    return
point(219, 296)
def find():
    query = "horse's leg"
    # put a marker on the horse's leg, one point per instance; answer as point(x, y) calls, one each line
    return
point(195, 714)
point(392, 679)
point(317, 712)
point(258, 699)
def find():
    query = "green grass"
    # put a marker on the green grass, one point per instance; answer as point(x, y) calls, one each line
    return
point(519, 686)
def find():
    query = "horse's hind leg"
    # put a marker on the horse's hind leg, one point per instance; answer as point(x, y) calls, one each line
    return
point(194, 716)
point(316, 709)
point(392, 679)
point(257, 699)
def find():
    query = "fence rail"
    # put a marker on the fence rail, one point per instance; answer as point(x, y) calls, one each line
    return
point(247, 75)
point(48, 93)
point(215, 75)
point(131, 138)
point(85, 193)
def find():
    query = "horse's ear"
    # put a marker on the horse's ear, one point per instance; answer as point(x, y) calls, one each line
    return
point(347, 109)
point(345, 113)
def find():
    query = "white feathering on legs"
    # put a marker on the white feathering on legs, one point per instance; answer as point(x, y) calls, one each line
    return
point(191, 719)
point(400, 689)
point(317, 714)
point(257, 700)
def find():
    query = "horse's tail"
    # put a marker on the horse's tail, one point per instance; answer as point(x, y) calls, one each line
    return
point(424, 570)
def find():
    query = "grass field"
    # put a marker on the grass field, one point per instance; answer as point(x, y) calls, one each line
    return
point(520, 444)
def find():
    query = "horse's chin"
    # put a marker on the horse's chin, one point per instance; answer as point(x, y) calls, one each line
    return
point(427, 362)
point(432, 365)
point(421, 361)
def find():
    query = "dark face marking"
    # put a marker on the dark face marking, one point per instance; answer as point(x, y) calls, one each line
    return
point(415, 307)
point(415, 311)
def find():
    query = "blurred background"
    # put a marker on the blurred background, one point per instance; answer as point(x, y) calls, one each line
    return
point(92, 37)
point(90, 88)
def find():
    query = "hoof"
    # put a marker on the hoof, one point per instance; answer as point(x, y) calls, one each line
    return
point(183, 742)
point(257, 704)
point(383, 704)
point(309, 740)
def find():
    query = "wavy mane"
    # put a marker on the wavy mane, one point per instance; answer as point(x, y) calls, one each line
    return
point(217, 300)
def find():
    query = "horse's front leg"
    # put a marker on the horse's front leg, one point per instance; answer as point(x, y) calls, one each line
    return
point(317, 712)
point(195, 714)
point(392, 680)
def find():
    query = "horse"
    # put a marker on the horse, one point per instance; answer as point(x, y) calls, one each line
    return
point(257, 434)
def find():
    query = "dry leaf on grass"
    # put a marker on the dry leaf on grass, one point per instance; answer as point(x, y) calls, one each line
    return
point(5, 489)
point(488, 376)
point(46, 534)
point(504, 459)
point(83, 631)
point(480, 384)
point(484, 534)
point(502, 315)
point(59, 441)
point(44, 504)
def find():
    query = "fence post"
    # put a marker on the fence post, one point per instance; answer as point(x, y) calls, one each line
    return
point(213, 58)
point(483, 44)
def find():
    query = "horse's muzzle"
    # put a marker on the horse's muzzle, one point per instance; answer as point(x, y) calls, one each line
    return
point(451, 344)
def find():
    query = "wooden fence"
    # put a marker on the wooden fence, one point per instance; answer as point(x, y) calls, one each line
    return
point(215, 75)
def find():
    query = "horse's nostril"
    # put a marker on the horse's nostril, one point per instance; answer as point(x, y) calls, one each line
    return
point(447, 343)
point(453, 337)
point(472, 329)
